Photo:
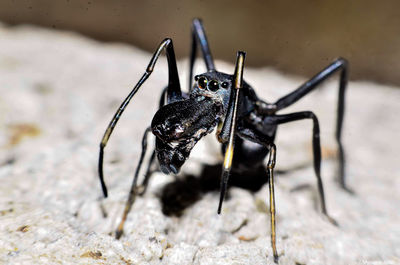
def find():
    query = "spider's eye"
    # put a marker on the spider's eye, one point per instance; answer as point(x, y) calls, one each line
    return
point(225, 84)
point(213, 85)
point(202, 82)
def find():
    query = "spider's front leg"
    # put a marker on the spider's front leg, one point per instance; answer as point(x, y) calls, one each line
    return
point(227, 135)
point(173, 94)
point(229, 126)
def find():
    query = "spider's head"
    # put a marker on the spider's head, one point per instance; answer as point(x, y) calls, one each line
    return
point(215, 85)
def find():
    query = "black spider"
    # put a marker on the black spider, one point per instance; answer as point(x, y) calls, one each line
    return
point(226, 102)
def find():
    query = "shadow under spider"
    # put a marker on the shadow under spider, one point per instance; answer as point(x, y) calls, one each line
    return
point(183, 192)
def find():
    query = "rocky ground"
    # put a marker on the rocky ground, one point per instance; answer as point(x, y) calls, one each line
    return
point(58, 93)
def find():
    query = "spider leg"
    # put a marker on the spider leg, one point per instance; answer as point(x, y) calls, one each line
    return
point(173, 94)
point(253, 135)
point(279, 119)
point(339, 64)
point(250, 133)
point(134, 188)
point(199, 36)
point(141, 189)
point(230, 122)
point(147, 175)
point(270, 173)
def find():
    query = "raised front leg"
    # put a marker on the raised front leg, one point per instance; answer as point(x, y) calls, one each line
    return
point(229, 126)
point(141, 189)
point(339, 64)
point(173, 94)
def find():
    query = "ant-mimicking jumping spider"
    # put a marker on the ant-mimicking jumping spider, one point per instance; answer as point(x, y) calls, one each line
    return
point(228, 103)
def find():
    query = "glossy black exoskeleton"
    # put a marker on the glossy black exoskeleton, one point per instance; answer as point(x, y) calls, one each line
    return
point(245, 124)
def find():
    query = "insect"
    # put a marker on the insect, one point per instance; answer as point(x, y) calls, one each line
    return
point(245, 124)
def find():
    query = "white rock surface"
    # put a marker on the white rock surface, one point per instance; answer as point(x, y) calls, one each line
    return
point(60, 90)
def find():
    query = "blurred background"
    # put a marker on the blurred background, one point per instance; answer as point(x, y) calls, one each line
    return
point(298, 37)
